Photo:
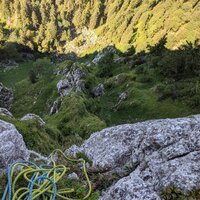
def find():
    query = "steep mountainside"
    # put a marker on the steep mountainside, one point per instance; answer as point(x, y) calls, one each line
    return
point(71, 68)
point(64, 25)
point(79, 96)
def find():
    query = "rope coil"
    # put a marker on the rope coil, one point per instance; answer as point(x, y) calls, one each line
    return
point(41, 180)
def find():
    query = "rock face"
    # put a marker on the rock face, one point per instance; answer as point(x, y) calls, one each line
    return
point(158, 153)
point(55, 107)
point(33, 116)
point(71, 80)
point(7, 65)
point(98, 91)
point(12, 146)
point(102, 53)
point(5, 112)
point(61, 72)
point(6, 97)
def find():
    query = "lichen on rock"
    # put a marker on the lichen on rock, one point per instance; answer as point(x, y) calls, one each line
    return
point(12, 146)
point(161, 152)
point(6, 97)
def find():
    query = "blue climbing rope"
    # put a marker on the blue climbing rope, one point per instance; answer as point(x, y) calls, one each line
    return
point(42, 181)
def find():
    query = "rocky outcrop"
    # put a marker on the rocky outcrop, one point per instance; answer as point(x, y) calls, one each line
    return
point(157, 153)
point(5, 112)
point(122, 97)
point(33, 116)
point(99, 90)
point(7, 65)
point(61, 72)
point(6, 97)
point(104, 52)
point(71, 80)
point(55, 107)
point(12, 146)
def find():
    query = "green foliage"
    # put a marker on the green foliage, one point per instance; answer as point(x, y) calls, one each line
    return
point(50, 25)
point(153, 90)
point(180, 63)
point(129, 168)
point(32, 76)
point(3, 183)
point(74, 111)
point(9, 51)
point(28, 129)
point(42, 66)
point(10, 79)
point(106, 66)
point(171, 192)
point(35, 98)
point(84, 157)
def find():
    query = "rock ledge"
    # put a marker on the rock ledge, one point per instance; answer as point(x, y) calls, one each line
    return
point(158, 153)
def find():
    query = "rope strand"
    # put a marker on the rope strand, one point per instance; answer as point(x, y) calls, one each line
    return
point(42, 181)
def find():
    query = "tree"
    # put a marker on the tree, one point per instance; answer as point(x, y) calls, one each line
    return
point(51, 31)
point(6, 8)
point(34, 19)
point(159, 47)
point(25, 12)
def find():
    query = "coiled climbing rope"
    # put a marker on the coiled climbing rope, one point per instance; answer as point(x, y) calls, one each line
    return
point(42, 181)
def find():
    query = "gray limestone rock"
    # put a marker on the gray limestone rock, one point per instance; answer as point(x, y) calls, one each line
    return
point(104, 52)
point(55, 107)
point(6, 97)
point(73, 176)
point(33, 116)
point(161, 152)
point(99, 90)
point(5, 112)
point(12, 146)
point(71, 80)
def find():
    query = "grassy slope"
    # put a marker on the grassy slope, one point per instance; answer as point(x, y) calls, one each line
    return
point(81, 114)
point(13, 76)
point(142, 101)
point(34, 135)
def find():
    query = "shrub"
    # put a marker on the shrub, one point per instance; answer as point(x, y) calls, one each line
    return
point(33, 76)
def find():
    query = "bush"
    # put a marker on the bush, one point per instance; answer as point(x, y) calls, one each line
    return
point(33, 76)
point(144, 79)
point(9, 51)
point(106, 65)
point(42, 66)
point(172, 192)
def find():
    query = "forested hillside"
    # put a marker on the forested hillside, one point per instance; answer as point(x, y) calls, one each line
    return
point(86, 25)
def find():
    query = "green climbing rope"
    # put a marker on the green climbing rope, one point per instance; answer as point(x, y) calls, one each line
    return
point(42, 181)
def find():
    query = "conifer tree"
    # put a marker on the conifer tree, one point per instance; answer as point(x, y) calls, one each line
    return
point(34, 18)
point(6, 9)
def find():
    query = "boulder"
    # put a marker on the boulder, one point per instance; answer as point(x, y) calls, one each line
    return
point(158, 153)
point(6, 97)
point(12, 146)
point(33, 116)
point(5, 112)
point(71, 80)
point(99, 90)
